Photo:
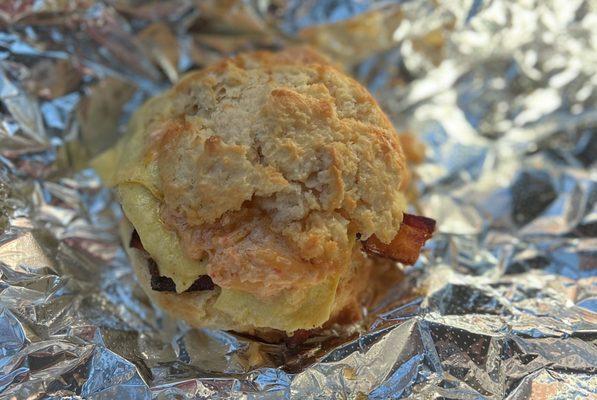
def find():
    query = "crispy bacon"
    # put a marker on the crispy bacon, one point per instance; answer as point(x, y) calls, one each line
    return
point(163, 283)
point(299, 337)
point(159, 283)
point(406, 245)
point(204, 282)
point(135, 242)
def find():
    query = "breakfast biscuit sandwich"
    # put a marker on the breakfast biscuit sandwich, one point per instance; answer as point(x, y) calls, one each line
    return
point(260, 193)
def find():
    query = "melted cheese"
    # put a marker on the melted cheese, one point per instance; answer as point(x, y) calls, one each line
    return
point(142, 209)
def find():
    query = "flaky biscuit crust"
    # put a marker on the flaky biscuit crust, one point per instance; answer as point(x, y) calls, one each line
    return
point(289, 131)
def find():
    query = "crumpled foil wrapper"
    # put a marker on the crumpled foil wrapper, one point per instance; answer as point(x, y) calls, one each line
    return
point(501, 304)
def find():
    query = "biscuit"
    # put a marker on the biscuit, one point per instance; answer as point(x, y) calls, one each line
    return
point(261, 171)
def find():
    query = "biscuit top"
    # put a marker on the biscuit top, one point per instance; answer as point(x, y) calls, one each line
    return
point(267, 166)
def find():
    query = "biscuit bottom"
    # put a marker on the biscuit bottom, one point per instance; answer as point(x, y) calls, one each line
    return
point(229, 310)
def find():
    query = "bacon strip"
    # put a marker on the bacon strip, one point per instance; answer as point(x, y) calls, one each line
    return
point(135, 242)
point(406, 246)
point(204, 282)
point(159, 283)
point(163, 283)
point(299, 337)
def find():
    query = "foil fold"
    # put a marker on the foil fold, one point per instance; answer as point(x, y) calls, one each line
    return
point(502, 302)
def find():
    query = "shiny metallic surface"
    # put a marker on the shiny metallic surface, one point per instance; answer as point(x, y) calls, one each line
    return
point(501, 304)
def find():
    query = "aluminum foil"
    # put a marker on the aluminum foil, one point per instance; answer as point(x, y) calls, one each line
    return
point(501, 304)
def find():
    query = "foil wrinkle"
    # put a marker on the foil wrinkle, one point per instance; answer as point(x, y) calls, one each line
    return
point(502, 303)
